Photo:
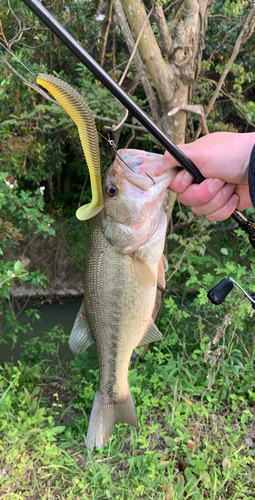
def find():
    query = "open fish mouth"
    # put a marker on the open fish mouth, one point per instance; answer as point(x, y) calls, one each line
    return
point(139, 167)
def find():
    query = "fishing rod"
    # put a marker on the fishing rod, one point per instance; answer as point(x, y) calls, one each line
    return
point(40, 11)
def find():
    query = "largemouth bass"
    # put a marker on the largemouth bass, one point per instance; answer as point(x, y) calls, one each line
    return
point(123, 264)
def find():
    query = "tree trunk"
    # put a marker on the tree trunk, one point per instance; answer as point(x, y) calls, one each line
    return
point(170, 71)
point(170, 75)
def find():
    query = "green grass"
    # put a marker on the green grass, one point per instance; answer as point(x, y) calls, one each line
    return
point(191, 443)
point(194, 394)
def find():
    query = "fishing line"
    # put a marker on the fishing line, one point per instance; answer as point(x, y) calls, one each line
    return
point(111, 142)
point(113, 145)
point(15, 57)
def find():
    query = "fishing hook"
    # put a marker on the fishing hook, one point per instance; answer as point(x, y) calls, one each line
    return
point(113, 145)
point(43, 14)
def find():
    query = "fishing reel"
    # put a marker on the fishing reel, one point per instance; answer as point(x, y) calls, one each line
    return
point(218, 293)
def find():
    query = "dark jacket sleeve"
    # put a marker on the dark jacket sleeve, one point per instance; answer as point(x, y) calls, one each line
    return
point(251, 176)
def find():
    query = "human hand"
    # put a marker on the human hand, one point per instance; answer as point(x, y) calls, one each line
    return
point(223, 158)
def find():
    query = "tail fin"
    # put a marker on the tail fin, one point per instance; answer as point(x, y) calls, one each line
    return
point(105, 414)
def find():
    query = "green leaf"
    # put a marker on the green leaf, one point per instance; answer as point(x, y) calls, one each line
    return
point(170, 442)
point(224, 251)
point(199, 464)
point(243, 418)
point(163, 464)
point(228, 429)
point(56, 430)
point(17, 267)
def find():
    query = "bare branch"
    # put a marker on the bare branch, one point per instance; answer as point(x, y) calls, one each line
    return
point(157, 68)
point(237, 107)
point(165, 36)
point(204, 7)
point(193, 108)
point(229, 33)
point(134, 49)
point(242, 38)
point(216, 16)
point(17, 19)
point(105, 31)
point(171, 5)
point(130, 139)
point(115, 127)
point(128, 125)
point(126, 70)
point(154, 105)
point(3, 35)
point(28, 84)
point(30, 47)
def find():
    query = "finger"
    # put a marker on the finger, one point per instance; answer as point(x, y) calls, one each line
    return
point(226, 211)
point(201, 194)
point(217, 202)
point(181, 181)
point(167, 162)
point(244, 197)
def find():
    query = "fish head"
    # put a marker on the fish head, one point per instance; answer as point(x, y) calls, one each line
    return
point(133, 188)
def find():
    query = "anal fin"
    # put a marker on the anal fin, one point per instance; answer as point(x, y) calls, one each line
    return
point(152, 334)
point(81, 337)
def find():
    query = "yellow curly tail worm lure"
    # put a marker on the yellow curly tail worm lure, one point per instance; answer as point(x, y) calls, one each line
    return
point(78, 110)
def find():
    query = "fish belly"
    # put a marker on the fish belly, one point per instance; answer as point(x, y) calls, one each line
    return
point(118, 309)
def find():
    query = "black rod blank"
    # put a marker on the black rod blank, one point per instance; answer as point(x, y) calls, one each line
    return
point(113, 87)
point(117, 91)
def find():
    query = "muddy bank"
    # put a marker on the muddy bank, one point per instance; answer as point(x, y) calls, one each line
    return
point(55, 258)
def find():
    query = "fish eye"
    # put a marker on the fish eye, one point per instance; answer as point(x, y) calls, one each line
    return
point(111, 190)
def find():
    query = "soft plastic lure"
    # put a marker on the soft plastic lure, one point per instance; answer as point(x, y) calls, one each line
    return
point(78, 110)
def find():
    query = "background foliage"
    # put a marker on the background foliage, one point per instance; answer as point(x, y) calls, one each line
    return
point(194, 393)
point(40, 144)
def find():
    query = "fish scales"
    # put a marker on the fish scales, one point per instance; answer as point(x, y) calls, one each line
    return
point(117, 325)
point(124, 262)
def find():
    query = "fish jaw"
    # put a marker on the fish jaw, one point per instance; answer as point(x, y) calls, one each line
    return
point(137, 195)
point(126, 243)
point(130, 218)
point(143, 167)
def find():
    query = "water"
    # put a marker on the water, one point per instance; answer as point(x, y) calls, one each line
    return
point(51, 314)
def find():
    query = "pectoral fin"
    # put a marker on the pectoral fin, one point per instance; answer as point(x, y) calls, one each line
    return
point(165, 263)
point(143, 272)
point(161, 273)
point(152, 335)
point(81, 337)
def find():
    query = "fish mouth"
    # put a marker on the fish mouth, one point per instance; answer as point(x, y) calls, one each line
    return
point(140, 167)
